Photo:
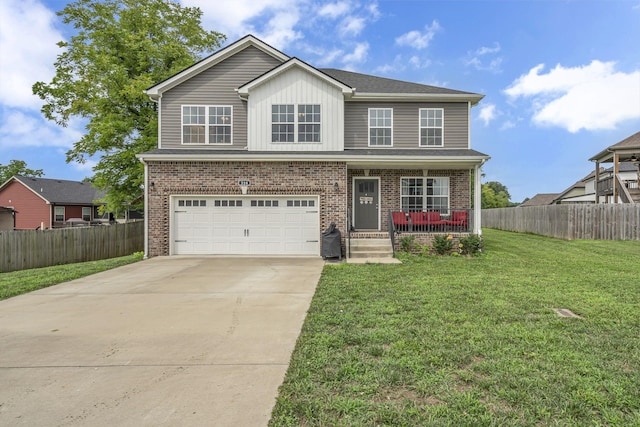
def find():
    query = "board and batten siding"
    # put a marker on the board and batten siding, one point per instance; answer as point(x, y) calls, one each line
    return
point(406, 124)
point(215, 86)
point(296, 86)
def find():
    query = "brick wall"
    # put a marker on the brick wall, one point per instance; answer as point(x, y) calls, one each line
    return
point(221, 178)
point(459, 187)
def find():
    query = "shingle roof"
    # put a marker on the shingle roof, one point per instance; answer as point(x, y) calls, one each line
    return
point(631, 142)
point(61, 191)
point(540, 199)
point(364, 83)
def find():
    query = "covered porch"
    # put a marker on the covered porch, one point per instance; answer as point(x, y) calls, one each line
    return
point(621, 183)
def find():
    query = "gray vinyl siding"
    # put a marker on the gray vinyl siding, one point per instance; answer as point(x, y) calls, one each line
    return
point(215, 86)
point(405, 124)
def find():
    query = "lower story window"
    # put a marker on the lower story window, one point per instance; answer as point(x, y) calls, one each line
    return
point(424, 194)
point(58, 213)
point(86, 214)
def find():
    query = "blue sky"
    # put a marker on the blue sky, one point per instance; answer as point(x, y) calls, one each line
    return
point(561, 79)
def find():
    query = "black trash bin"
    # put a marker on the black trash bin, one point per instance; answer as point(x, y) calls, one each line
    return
point(331, 245)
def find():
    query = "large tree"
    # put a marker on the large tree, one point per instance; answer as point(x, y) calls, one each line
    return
point(495, 195)
point(17, 167)
point(121, 47)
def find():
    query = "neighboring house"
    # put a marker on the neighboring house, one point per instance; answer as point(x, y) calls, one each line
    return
point(48, 203)
point(259, 152)
point(620, 183)
point(582, 191)
point(539, 199)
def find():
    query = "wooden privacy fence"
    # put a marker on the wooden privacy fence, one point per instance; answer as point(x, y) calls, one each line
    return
point(24, 249)
point(590, 222)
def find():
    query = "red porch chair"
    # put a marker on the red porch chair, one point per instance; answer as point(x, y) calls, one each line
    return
point(400, 220)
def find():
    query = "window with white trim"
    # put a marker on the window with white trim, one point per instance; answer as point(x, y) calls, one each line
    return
point(301, 127)
point(431, 127)
point(207, 124)
point(58, 213)
point(309, 123)
point(424, 194)
point(282, 123)
point(86, 214)
point(380, 127)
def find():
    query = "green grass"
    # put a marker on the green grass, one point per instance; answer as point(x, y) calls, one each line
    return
point(20, 282)
point(473, 341)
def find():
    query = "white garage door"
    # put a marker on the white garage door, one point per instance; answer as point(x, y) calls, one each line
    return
point(239, 225)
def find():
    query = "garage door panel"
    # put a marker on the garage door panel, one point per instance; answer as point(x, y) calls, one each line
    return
point(248, 225)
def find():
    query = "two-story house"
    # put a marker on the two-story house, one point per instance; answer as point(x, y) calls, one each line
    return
point(259, 152)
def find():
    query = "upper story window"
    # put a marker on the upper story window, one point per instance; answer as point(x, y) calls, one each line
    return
point(207, 124)
point(380, 127)
point(424, 194)
point(284, 122)
point(431, 127)
point(308, 123)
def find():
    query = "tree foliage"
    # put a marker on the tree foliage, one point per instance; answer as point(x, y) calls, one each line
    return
point(17, 167)
point(121, 48)
point(495, 195)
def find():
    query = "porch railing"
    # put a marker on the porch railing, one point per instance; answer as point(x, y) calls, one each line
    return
point(392, 234)
point(605, 186)
point(454, 221)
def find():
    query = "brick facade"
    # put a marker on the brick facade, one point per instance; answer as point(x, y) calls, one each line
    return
point(279, 178)
point(221, 178)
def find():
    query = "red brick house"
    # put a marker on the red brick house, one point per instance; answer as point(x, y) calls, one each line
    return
point(48, 203)
point(258, 152)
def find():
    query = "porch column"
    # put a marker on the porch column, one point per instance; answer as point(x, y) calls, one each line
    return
point(477, 201)
point(597, 181)
point(616, 169)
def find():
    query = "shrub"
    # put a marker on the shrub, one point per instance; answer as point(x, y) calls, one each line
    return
point(442, 244)
point(470, 245)
point(408, 243)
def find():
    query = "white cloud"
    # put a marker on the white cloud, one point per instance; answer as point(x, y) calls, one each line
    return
point(352, 26)
point(27, 50)
point(487, 113)
point(589, 97)
point(479, 59)
point(507, 125)
point(334, 10)
point(358, 55)
point(273, 21)
point(33, 130)
point(419, 40)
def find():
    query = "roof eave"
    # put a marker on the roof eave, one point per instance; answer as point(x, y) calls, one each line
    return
point(311, 157)
point(416, 97)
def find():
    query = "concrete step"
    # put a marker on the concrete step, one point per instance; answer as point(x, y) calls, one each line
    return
point(371, 248)
point(370, 242)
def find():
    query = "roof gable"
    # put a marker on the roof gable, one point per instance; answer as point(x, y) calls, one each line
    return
point(156, 90)
point(627, 145)
point(292, 63)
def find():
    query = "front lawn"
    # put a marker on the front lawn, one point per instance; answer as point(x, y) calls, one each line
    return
point(19, 282)
point(473, 341)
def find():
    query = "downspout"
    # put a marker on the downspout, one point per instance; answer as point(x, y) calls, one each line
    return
point(146, 209)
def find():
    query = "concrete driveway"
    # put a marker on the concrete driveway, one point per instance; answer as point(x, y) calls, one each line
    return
point(166, 341)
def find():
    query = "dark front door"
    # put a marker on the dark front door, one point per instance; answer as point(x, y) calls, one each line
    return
point(365, 204)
